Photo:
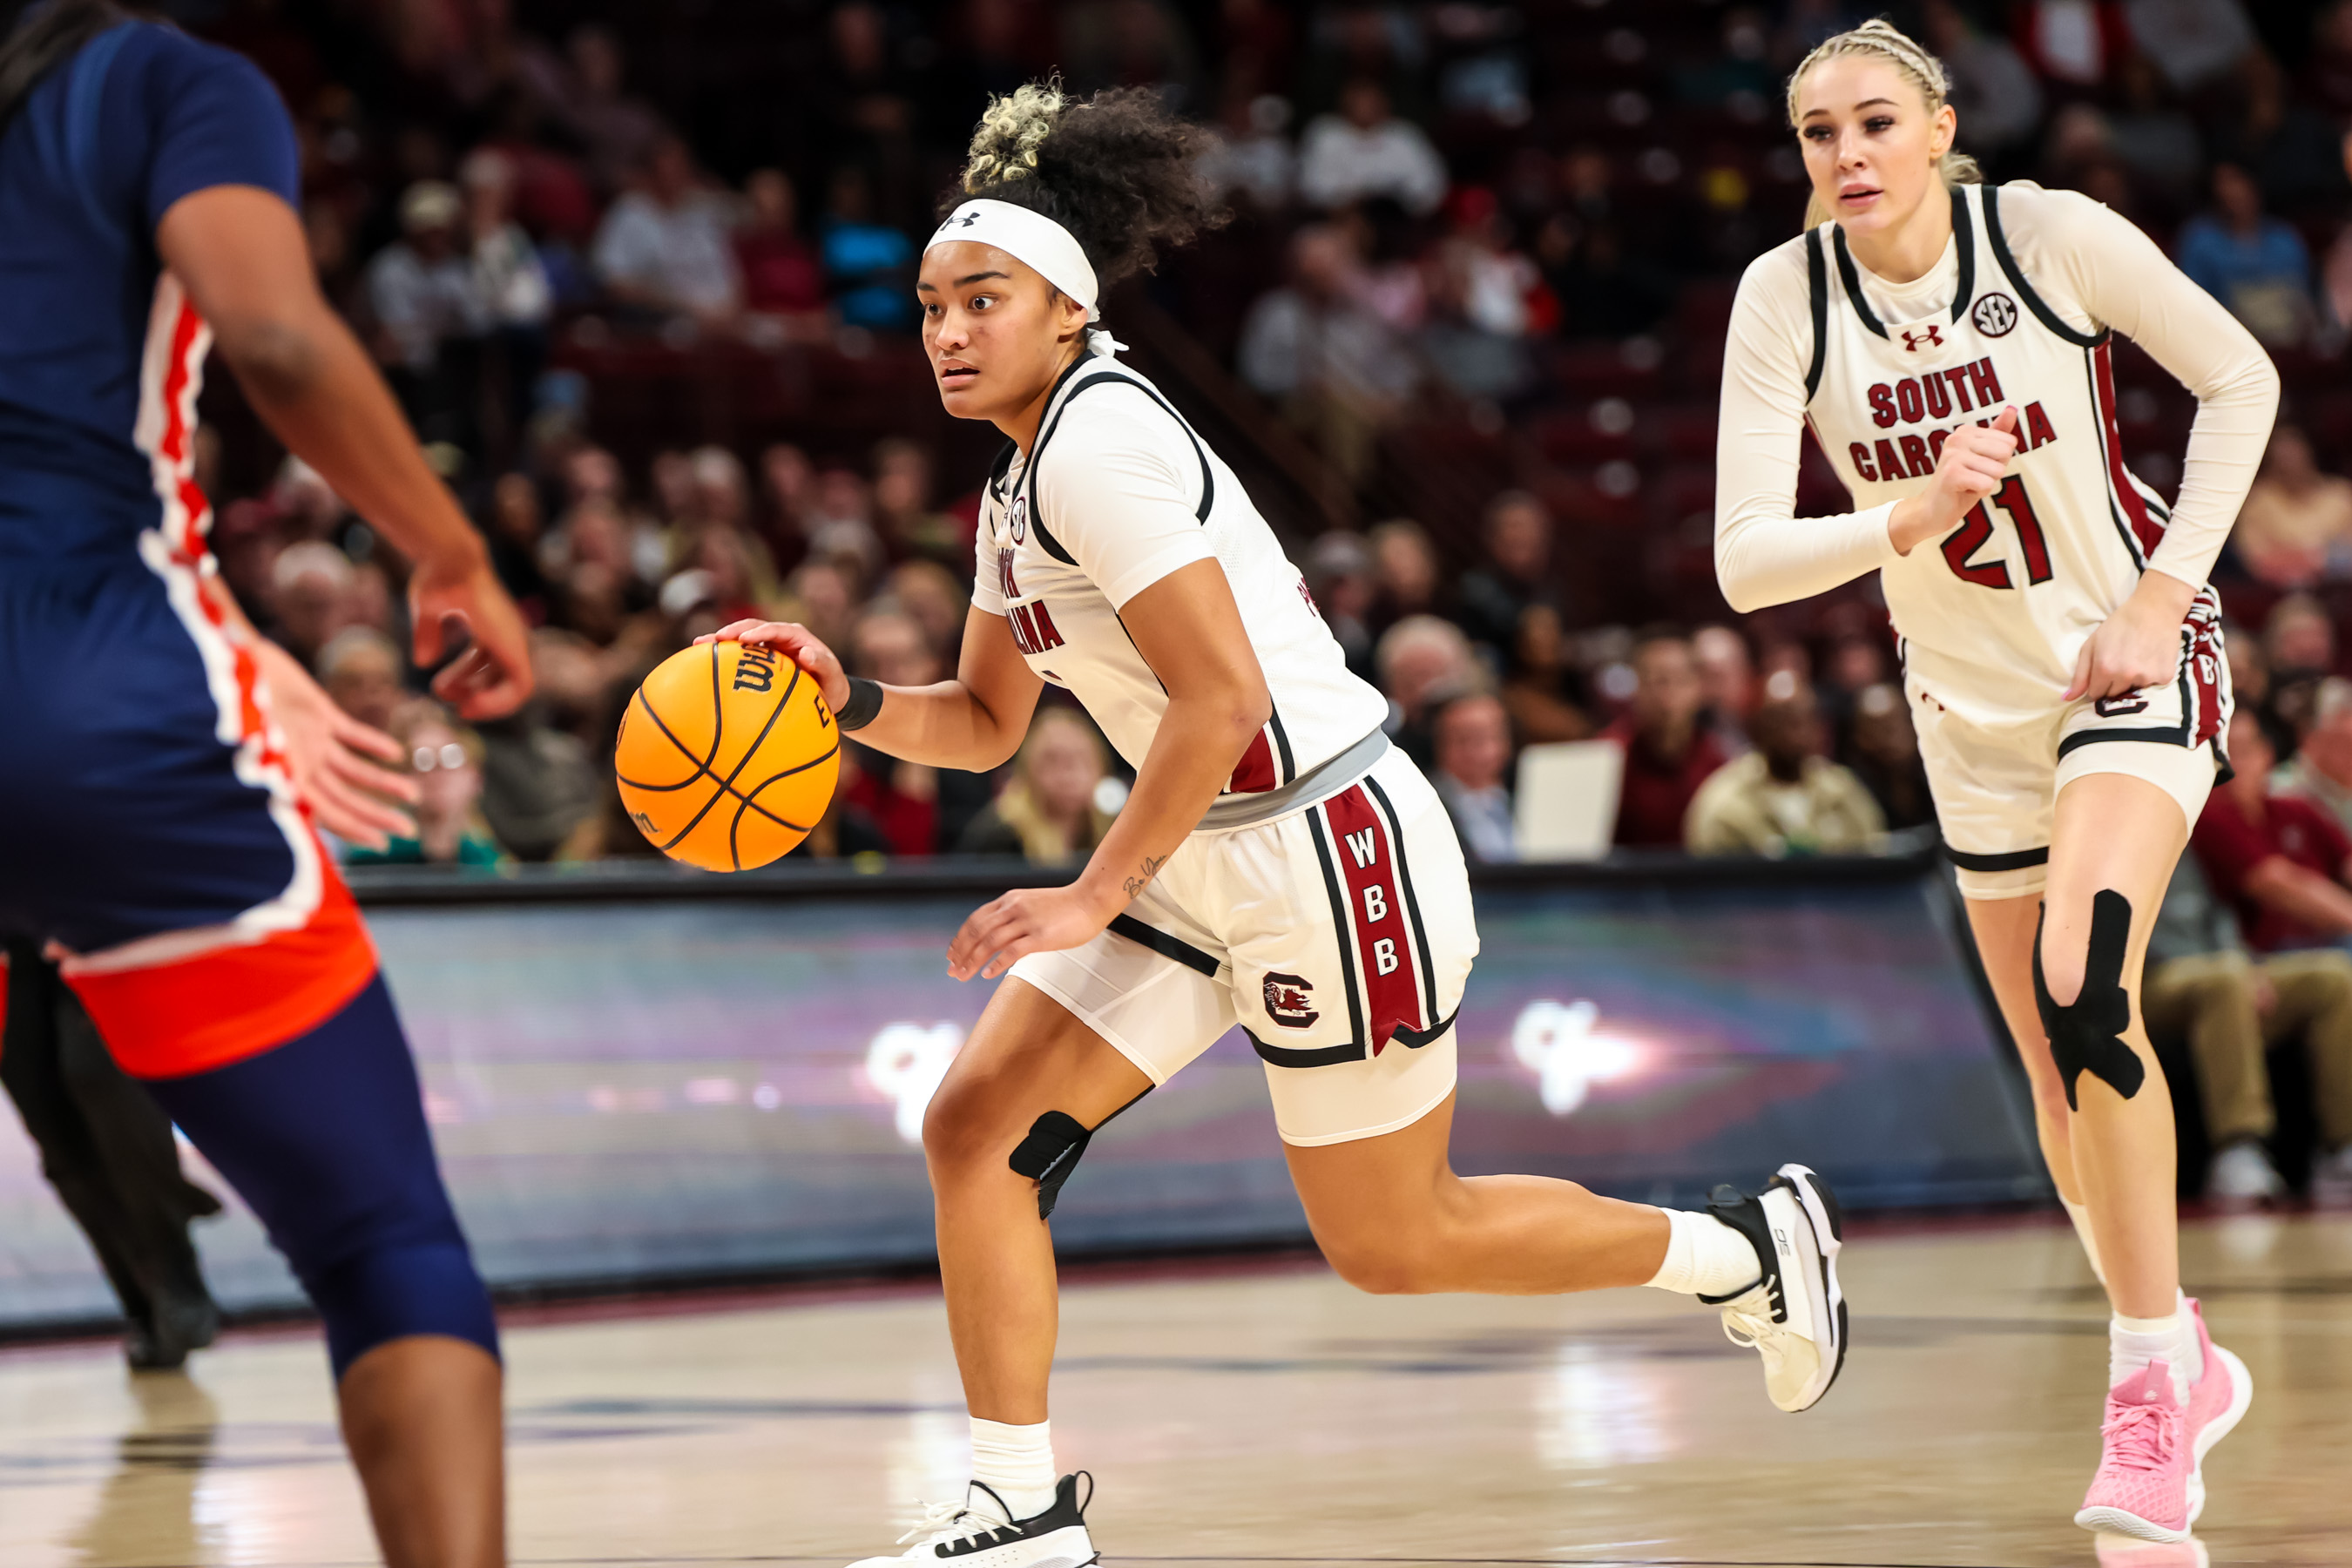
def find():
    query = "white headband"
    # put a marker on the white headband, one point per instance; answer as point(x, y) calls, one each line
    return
point(1033, 237)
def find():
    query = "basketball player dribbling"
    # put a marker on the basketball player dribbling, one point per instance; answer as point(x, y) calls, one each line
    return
point(164, 763)
point(1949, 344)
point(1278, 865)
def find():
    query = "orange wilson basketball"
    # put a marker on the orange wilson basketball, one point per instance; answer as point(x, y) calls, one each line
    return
point(726, 755)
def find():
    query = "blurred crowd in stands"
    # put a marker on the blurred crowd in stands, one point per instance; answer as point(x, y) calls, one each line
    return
point(641, 280)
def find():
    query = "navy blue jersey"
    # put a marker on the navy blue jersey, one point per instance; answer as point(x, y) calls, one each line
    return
point(100, 355)
point(148, 823)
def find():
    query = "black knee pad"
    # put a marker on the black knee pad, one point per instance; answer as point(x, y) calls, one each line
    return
point(2086, 1034)
point(1051, 1152)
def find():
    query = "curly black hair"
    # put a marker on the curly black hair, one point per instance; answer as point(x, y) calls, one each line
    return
point(1116, 170)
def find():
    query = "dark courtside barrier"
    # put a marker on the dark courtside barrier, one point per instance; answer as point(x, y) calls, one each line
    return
point(636, 1074)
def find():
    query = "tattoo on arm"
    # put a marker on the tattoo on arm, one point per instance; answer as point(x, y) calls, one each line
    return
point(1152, 864)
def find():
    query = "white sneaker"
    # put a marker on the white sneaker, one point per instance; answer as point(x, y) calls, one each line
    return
point(1795, 1316)
point(981, 1532)
point(2242, 1174)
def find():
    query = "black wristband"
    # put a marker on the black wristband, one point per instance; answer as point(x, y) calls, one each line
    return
point(865, 702)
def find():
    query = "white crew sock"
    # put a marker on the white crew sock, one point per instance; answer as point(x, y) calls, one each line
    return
point(2133, 1343)
point(1016, 1463)
point(2081, 1214)
point(1706, 1257)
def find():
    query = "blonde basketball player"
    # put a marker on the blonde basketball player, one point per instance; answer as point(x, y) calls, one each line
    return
point(1949, 344)
point(1277, 866)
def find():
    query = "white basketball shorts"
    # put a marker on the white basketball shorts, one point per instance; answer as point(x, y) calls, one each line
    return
point(1996, 772)
point(1338, 936)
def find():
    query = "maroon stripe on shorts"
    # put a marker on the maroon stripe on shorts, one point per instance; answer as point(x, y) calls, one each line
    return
point(2204, 659)
point(1368, 864)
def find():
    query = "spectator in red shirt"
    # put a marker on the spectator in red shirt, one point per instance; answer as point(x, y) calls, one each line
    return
point(902, 797)
point(2280, 859)
point(1667, 754)
point(783, 275)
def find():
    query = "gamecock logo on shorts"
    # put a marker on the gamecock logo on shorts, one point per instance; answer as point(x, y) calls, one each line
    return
point(1290, 1000)
point(2121, 707)
point(1995, 315)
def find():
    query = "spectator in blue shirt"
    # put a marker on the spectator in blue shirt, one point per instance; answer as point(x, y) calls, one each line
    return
point(2252, 262)
point(869, 266)
point(1473, 740)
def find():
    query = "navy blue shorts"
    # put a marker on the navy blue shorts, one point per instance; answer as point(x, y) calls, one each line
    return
point(147, 826)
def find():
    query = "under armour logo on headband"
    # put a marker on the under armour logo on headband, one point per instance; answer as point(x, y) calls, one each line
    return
point(1030, 236)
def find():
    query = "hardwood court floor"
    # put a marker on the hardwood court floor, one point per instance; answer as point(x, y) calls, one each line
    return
point(1263, 1415)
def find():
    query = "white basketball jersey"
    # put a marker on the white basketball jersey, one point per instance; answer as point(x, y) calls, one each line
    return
point(1116, 492)
point(1998, 610)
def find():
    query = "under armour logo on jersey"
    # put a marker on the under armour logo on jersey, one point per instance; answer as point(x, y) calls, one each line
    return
point(1932, 338)
point(1995, 315)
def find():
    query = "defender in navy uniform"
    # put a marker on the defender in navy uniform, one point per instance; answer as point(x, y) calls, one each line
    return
point(165, 765)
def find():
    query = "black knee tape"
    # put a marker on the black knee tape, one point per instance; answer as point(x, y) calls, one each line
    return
point(1049, 1154)
point(2086, 1034)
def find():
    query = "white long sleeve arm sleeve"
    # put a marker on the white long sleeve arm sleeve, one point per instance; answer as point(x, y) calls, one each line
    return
point(1764, 553)
point(2120, 277)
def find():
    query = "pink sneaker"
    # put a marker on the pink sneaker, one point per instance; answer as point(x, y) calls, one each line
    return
point(2216, 1404)
point(2146, 1463)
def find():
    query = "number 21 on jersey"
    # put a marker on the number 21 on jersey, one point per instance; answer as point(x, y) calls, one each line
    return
point(1975, 528)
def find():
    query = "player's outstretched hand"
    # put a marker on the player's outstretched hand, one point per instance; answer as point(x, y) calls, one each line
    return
point(493, 676)
point(1025, 920)
point(337, 761)
point(802, 644)
point(1968, 468)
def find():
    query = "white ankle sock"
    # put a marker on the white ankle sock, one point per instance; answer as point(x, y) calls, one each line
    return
point(2192, 1353)
point(2081, 1214)
point(2133, 1343)
point(1016, 1463)
point(1705, 1256)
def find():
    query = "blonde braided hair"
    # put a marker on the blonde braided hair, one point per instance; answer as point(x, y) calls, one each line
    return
point(1012, 129)
point(1883, 39)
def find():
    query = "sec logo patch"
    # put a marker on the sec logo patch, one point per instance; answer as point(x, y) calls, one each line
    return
point(1995, 315)
point(1020, 520)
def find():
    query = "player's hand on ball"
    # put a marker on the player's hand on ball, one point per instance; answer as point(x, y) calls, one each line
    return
point(337, 762)
point(801, 644)
point(1025, 920)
